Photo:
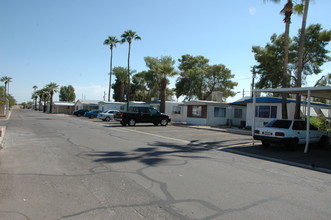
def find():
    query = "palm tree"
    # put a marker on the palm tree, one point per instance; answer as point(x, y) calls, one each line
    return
point(35, 97)
point(121, 76)
point(45, 95)
point(52, 88)
point(39, 93)
point(128, 36)
point(287, 11)
point(111, 41)
point(163, 68)
point(300, 57)
point(6, 80)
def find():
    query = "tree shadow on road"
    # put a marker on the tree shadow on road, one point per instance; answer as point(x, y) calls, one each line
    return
point(158, 153)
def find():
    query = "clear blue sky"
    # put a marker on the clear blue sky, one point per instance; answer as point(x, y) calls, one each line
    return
point(61, 41)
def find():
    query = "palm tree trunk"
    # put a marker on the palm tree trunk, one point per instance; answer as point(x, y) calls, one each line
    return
point(5, 92)
point(122, 91)
point(40, 100)
point(288, 12)
point(285, 75)
point(51, 105)
point(45, 106)
point(300, 59)
point(35, 103)
point(128, 83)
point(110, 73)
point(163, 94)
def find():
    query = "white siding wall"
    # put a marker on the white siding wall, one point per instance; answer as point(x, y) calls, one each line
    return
point(237, 121)
point(111, 106)
point(215, 121)
point(259, 122)
point(196, 121)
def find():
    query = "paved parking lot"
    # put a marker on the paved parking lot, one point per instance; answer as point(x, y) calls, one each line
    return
point(222, 139)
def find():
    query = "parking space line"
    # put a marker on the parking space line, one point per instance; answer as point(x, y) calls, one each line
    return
point(156, 135)
point(237, 145)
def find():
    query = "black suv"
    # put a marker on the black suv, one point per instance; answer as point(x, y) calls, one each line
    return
point(80, 112)
point(142, 114)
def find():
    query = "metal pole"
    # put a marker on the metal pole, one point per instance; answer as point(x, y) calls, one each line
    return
point(308, 122)
point(253, 124)
point(253, 78)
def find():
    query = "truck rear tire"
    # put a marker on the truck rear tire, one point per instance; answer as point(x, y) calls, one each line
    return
point(132, 122)
point(164, 122)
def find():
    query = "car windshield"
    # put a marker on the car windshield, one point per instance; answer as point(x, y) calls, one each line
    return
point(279, 124)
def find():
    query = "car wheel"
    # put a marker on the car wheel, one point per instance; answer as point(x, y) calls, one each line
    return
point(132, 122)
point(164, 122)
point(107, 119)
point(323, 142)
point(78, 115)
point(292, 145)
point(265, 144)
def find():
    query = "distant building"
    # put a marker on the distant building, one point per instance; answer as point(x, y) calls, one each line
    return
point(62, 107)
point(87, 104)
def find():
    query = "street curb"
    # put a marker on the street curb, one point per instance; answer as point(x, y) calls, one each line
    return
point(2, 135)
point(305, 166)
point(227, 130)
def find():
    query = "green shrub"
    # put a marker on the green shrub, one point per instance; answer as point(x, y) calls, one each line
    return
point(321, 123)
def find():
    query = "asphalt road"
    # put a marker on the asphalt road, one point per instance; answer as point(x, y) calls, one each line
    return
point(64, 167)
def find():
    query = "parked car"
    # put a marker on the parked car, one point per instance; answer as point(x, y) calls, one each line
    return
point(80, 112)
point(142, 114)
point(107, 115)
point(289, 133)
point(92, 114)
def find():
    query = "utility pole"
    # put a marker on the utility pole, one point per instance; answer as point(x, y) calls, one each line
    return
point(253, 79)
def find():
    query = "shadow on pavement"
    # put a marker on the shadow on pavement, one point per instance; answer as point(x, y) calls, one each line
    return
point(318, 159)
point(155, 154)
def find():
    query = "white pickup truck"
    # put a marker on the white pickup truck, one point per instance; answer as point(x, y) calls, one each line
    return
point(107, 115)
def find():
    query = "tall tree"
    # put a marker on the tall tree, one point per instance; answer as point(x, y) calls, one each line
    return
point(39, 94)
point(163, 68)
point(111, 41)
point(270, 59)
point(128, 36)
point(287, 11)
point(45, 96)
point(52, 88)
point(121, 82)
point(270, 56)
point(188, 65)
point(198, 79)
point(139, 89)
point(67, 94)
point(35, 97)
point(6, 80)
point(300, 57)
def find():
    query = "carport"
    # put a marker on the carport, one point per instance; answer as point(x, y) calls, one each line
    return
point(309, 92)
